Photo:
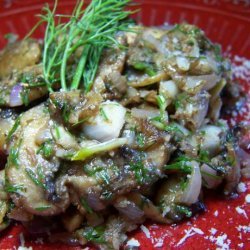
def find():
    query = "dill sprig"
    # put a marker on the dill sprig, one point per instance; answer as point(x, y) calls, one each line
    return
point(90, 30)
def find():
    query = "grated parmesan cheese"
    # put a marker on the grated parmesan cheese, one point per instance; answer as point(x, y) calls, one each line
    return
point(239, 210)
point(241, 188)
point(213, 231)
point(133, 243)
point(145, 231)
point(247, 198)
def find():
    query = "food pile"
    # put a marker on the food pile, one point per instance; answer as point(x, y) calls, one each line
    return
point(106, 123)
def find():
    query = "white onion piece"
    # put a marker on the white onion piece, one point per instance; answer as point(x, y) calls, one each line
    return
point(193, 189)
point(211, 138)
point(169, 90)
point(144, 113)
point(108, 126)
point(64, 138)
point(129, 135)
point(182, 63)
point(15, 96)
point(210, 176)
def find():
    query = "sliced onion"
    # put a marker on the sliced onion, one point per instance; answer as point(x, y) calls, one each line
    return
point(94, 202)
point(193, 189)
point(15, 96)
point(210, 177)
point(107, 124)
point(144, 113)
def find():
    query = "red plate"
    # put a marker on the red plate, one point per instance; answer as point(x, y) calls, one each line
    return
point(225, 224)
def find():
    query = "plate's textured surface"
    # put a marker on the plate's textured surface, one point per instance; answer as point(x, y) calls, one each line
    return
point(226, 224)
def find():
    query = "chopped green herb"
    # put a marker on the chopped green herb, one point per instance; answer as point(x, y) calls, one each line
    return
point(33, 177)
point(140, 139)
point(57, 132)
point(46, 149)
point(162, 104)
point(86, 206)
point(13, 129)
point(217, 52)
point(25, 96)
point(146, 67)
point(94, 234)
point(14, 188)
point(181, 163)
point(43, 208)
point(89, 151)
point(11, 37)
point(13, 157)
point(81, 121)
point(184, 210)
point(103, 114)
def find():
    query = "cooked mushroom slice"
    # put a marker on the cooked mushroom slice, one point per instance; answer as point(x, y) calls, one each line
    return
point(8, 124)
point(31, 171)
point(150, 210)
point(72, 219)
point(22, 88)
point(109, 77)
point(232, 169)
point(191, 110)
point(17, 56)
point(4, 202)
point(74, 107)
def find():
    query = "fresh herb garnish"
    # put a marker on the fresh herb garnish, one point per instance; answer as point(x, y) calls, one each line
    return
point(140, 171)
point(92, 30)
